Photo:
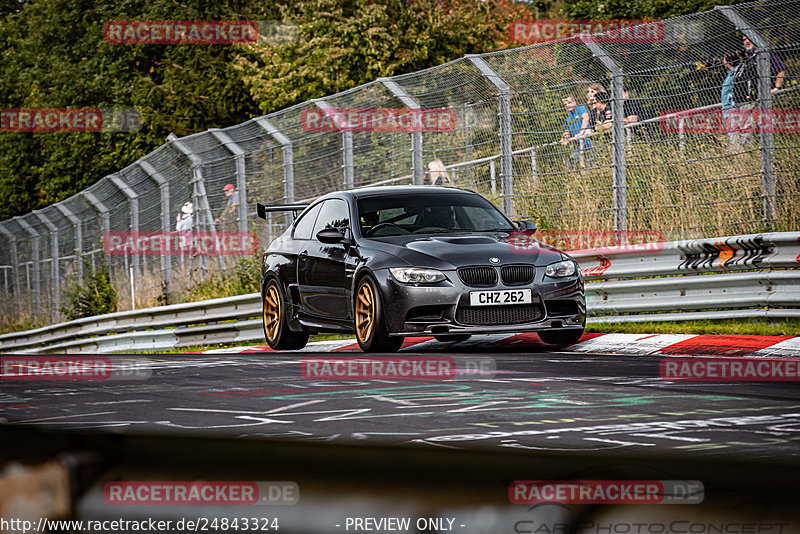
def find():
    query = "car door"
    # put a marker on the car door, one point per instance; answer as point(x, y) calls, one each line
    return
point(322, 273)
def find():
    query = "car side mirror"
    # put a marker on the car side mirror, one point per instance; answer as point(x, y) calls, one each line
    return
point(330, 236)
point(526, 226)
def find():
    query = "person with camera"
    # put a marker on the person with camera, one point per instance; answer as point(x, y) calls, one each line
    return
point(745, 91)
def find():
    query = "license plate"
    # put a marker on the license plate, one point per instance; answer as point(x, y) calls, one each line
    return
point(497, 298)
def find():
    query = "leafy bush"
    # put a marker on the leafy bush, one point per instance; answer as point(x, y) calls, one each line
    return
point(245, 278)
point(92, 295)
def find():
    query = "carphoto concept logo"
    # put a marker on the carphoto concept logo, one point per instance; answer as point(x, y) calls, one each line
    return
point(180, 243)
point(715, 121)
point(606, 491)
point(730, 369)
point(54, 120)
point(589, 241)
point(598, 31)
point(221, 493)
point(396, 368)
point(378, 120)
point(181, 31)
point(71, 368)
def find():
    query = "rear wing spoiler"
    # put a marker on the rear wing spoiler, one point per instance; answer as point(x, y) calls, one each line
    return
point(262, 210)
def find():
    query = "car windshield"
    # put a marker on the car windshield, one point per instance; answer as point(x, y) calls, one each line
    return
point(420, 213)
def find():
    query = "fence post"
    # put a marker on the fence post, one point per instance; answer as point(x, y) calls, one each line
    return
point(54, 263)
point(766, 138)
point(504, 114)
point(37, 282)
point(199, 193)
point(12, 241)
point(101, 209)
point(617, 132)
point(133, 201)
point(78, 237)
point(493, 176)
point(417, 163)
point(347, 141)
point(288, 162)
point(241, 182)
point(166, 220)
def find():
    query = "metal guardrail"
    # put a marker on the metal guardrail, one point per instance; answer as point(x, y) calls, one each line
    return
point(735, 277)
point(750, 276)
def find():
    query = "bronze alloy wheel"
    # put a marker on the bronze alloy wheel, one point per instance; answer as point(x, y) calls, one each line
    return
point(272, 313)
point(277, 329)
point(365, 311)
point(371, 330)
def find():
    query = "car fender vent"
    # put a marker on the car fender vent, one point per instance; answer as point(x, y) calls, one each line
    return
point(478, 276)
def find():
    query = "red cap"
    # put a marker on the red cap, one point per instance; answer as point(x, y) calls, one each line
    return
point(228, 187)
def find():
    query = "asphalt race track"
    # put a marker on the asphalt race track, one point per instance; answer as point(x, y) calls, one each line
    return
point(534, 401)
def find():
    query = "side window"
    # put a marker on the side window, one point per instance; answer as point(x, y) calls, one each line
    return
point(304, 225)
point(334, 214)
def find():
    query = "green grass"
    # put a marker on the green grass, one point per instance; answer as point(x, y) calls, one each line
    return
point(730, 326)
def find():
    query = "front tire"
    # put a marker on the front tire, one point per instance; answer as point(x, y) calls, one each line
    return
point(371, 331)
point(276, 327)
point(560, 337)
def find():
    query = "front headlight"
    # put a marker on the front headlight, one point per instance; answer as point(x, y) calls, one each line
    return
point(417, 275)
point(560, 269)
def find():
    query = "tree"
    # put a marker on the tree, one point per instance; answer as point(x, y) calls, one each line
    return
point(53, 55)
point(339, 44)
point(635, 9)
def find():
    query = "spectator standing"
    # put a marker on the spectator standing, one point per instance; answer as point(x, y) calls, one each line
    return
point(184, 224)
point(632, 109)
point(591, 100)
point(229, 214)
point(632, 113)
point(731, 62)
point(577, 131)
point(185, 219)
point(602, 111)
point(437, 173)
point(745, 88)
point(749, 73)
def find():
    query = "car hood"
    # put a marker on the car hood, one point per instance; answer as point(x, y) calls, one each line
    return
point(456, 250)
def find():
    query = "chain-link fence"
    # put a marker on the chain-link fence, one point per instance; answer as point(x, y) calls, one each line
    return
point(632, 158)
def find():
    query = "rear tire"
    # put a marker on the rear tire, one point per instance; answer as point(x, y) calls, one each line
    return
point(274, 320)
point(371, 331)
point(455, 338)
point(560, 337)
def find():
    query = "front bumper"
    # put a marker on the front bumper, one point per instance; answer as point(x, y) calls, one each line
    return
point(443, 308)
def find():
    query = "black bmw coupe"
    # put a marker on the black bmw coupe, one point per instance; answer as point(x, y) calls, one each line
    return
point(390, 262)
